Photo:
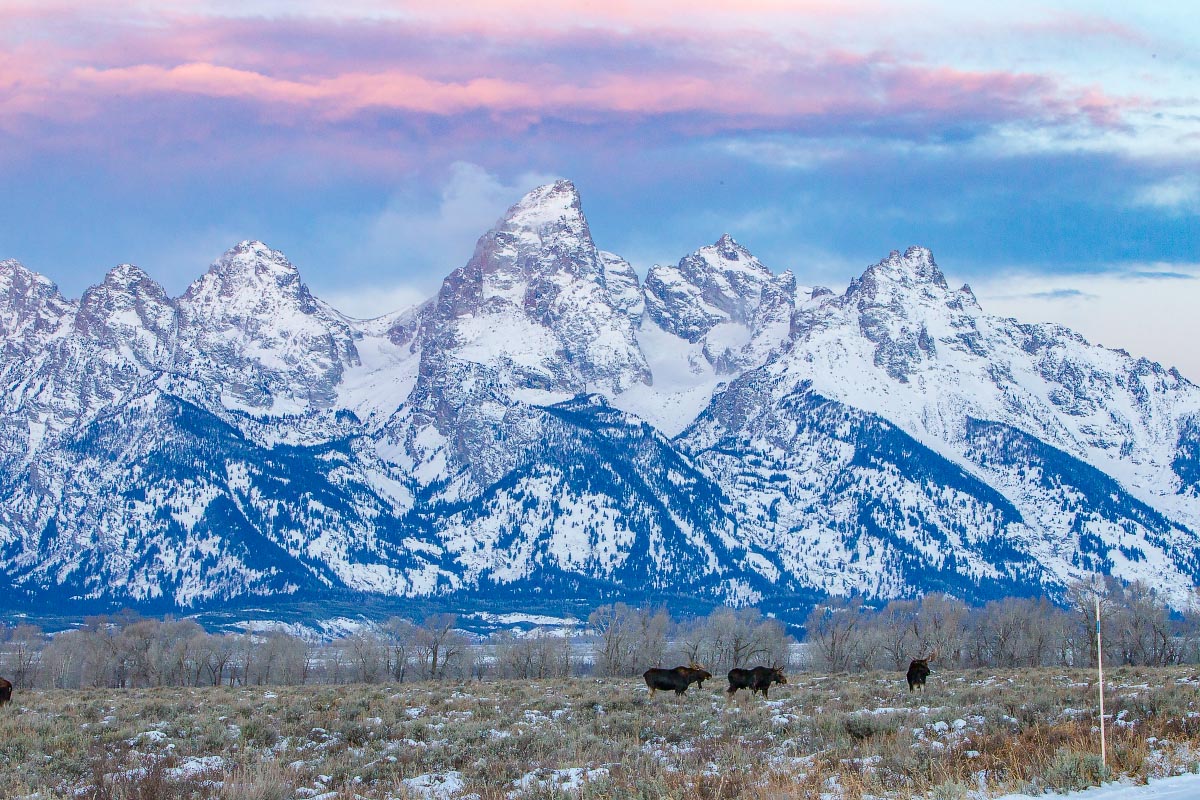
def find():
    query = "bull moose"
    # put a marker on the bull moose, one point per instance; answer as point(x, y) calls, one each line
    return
point(5, 691)
point(677, 680)
point(918, 671)
point(758, 679)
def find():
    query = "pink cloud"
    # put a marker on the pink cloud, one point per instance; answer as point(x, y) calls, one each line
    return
point(845, 86)
point(623, 15)
point(691, 72)
point(949, 89)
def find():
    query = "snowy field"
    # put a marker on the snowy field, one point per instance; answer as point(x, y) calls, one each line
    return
point(1181, 787)
point(973, 735)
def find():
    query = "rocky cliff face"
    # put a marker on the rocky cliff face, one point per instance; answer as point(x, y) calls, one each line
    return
point(549, 426)
point(724, 299)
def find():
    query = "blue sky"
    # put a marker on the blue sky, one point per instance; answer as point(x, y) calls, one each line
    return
point(1049, 154)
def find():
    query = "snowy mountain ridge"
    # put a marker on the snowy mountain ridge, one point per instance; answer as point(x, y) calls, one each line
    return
point(550, 426)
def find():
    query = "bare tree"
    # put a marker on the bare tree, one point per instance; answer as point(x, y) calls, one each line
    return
point(400, 636)
point(368, 653)
point(615, 627)
point(536, 654)
point(1144, 630)
point(63, 659)
point(834, 630)
point(24, 653)
point(941, 626)
point(899, 632)
point(439, 644)
point(653, 630)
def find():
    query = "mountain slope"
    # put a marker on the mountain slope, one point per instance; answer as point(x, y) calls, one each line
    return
point(164, 499)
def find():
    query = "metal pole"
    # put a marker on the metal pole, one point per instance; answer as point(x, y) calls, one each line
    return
point(1100, 671)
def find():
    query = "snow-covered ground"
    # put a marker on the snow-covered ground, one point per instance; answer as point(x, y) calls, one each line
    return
point(1180, 787)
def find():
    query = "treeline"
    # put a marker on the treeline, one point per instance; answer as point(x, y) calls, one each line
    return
point(127, 650)
point(1137, 629)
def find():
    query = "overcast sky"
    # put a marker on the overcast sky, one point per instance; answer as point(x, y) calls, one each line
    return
point(1049, 154)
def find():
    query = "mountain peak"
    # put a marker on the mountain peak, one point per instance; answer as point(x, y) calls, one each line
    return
point(915, 265)
point(726, 256)
point(254, 257)
point(729, 249)
point(542, 240)
point(125, 276)
point(966, 298)
point(14, 273)
point(123, 285)
point(28, 299)
point(20, 285)
point(250, 271)
point(545, 205)
point(721, 282)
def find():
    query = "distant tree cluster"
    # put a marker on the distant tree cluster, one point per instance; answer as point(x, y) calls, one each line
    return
point(1138, 628)
point(629, 640)
point(130, 651)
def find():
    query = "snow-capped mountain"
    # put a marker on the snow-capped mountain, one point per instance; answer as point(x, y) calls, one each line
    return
point(251, 330)
point(548, 425)
point(530, 320)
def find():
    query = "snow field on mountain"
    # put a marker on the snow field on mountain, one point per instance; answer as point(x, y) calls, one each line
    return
point(683, 381)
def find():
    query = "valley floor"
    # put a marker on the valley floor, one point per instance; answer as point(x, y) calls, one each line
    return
point(973, 734)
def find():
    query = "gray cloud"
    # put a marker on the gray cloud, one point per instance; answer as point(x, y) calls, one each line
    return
point(1162, 276)
point(1060, 294)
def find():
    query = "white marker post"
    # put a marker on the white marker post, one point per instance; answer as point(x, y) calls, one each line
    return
point(1100, 671)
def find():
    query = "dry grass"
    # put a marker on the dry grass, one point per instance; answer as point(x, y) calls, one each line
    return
point(849, 736)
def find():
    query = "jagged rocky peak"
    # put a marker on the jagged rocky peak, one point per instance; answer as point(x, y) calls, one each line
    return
point(252, 326)
point(729, 274)
point(127, 276)
point(247, 270)
point(537, 314)
point(553, 207)
point(30, 303)
point(916, 264)
point(722, 282)
point(13, 273)
point(901, 284)
point(730, 251)
point(915, 268)
point(904, 306)
point(545, 299)
point(965, 299)
point(545, 231)
point(20, 286)
point(123, 285)
point(108, 311)
point(540, 244)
